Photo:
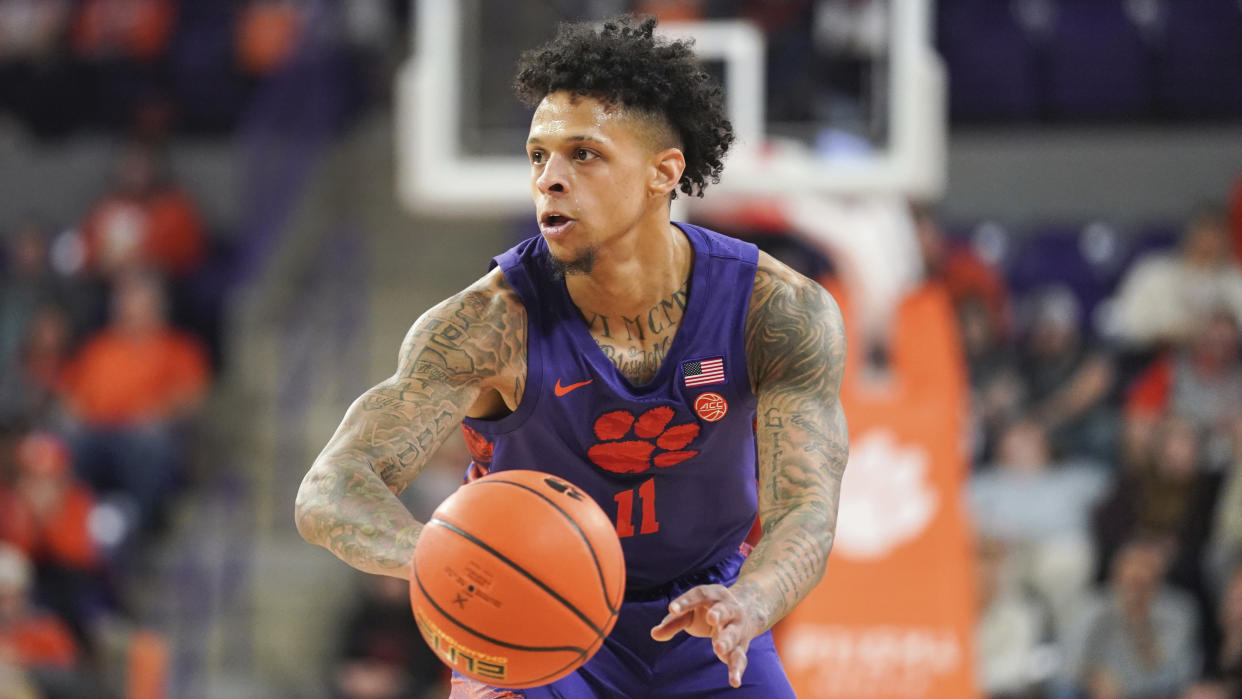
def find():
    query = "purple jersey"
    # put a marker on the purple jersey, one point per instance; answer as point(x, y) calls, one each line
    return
point(672, 462)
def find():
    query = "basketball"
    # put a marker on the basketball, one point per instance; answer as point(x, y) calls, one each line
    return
point(517, 579)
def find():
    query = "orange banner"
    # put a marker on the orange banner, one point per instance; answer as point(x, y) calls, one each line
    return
point(894, 615)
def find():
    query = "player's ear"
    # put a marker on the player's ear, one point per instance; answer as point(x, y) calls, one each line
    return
point(669, 164)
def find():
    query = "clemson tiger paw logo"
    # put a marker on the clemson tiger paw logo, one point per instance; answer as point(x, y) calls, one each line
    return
point(630, 444)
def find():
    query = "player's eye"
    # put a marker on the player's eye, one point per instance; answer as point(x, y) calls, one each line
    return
point(536, 157)
point(583, 154)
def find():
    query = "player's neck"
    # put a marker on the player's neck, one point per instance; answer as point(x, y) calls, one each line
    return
point(635, 271)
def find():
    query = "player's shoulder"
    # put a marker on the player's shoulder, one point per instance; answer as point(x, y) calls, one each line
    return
point(792, 321)
point(479, 333)
point(777, 284)
point(487, 300)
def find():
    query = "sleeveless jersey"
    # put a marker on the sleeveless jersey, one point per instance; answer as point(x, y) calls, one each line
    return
point(672, 462)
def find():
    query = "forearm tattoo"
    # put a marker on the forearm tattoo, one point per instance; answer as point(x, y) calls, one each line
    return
point(348, 500)
point(795, 347)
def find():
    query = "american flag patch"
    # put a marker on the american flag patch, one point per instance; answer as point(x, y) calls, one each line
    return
point(703, 372)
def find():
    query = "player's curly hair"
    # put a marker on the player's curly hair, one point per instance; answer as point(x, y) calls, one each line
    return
point(623, 63)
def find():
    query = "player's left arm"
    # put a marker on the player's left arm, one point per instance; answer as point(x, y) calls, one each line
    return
point(795, 346)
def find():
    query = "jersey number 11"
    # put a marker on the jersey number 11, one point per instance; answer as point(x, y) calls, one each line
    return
point(625, 510)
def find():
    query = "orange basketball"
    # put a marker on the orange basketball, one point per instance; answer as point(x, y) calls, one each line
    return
point(516, 579)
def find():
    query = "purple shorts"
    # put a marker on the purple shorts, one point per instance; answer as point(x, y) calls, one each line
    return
point(633, 665)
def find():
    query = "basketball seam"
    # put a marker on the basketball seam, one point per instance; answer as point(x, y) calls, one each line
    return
point(603, 584)
point(512, 646)
point(599, 631)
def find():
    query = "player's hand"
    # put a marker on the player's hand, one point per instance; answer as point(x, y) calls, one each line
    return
point(714, 611)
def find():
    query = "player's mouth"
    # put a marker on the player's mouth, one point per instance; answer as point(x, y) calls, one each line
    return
point(553, 223)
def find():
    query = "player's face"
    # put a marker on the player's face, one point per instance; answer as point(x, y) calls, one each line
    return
point(591, 169)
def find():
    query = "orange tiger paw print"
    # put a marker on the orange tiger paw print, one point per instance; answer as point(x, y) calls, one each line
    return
point(656, 442)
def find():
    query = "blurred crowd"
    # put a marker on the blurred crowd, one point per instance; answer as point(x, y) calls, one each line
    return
point(111, 316)
point(1105, 442)
point(157, 66)
point(1107, 487)
point(103, 371)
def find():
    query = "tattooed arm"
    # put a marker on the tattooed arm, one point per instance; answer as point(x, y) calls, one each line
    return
point(462, 357)
point(795, 352)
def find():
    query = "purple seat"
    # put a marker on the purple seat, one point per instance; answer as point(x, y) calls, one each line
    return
point(1054, 255)
point(1199, 73)
point(1148, 240)
point(991, 62)
point(1098, 63)
point(208, 91)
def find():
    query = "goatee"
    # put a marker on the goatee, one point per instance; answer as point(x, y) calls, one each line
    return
point(582, 264)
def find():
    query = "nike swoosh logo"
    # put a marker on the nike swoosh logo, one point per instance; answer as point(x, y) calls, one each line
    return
point(560, 390)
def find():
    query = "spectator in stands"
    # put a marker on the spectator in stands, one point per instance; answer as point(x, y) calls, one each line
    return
point(30, 29)
point(136, 29)
point(965, 275)
point(1010, 629)
point(1228, 664)
point(42, 645)
point(36, 83)
point(1171, 497)
point(1225, 545)
point(997, 389)
point(1165, 297)
point(1042, 511)
point(31, 380)
point(1236, 219)
point(47, 516)
point(129, 390)
point(1201, 381)
point(1222, 671)
point(1068, 381)
point(268, 31)
point(28, 284)
point(121, 43)
point(1137, 637)
point(146, 220)
point(382, 654)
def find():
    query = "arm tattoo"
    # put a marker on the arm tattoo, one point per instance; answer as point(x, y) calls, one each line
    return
point(795, 350)
point(348, 501)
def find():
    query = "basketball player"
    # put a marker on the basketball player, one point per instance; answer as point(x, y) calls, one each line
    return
point(648, 362)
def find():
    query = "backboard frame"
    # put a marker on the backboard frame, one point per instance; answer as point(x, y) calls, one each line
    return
point(435, 175)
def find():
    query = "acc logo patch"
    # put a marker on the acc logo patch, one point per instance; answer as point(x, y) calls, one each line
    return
point(711, 406)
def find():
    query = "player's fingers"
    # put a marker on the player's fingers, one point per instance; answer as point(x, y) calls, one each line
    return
point(670, 626)
point(696, 596)
point(727, 640)
point(737, 665)
point(722, 613)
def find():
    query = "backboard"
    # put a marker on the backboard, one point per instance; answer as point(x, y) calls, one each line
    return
point(819, 105)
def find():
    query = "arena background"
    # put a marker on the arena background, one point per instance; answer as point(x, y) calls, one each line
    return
point(1031, 210)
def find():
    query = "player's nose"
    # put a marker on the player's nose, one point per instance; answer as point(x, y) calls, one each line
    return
point(554, 177)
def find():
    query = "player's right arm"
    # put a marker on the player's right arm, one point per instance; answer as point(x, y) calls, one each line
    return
point(466, 356)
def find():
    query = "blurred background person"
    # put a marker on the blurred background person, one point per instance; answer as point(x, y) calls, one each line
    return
point(1041, 510)
point(1012, 629)
point(1223, 669)
point(1169, 496)
point(1225, 542)
point(1139, 637)
point(381, 653)
point(30, 383)
point(1067, 378)
point(130, 391)
point(144, 221)
point(37, 643)
point(1199, 379)
point(1165, 296)
point(47, 514)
